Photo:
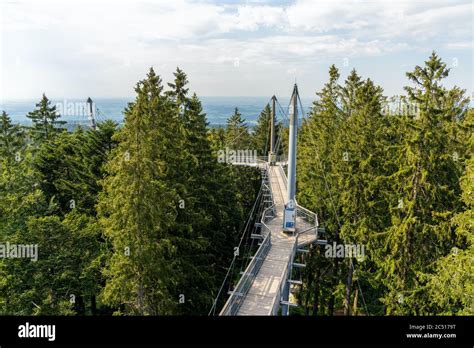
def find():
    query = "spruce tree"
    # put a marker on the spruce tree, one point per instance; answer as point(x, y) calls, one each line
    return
point(450, 286)
point(261, 133)
point(362, 182)
point(318, 191)
point(45, 120)
point(178, 92)
point(11, 137)
point(237, 135)
point(137, 208)
point(425, 190)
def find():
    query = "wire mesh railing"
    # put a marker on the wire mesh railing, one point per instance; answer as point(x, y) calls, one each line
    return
point(237, 296)
point(307, 215)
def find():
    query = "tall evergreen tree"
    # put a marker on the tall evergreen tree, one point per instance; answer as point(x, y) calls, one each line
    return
point(261, 133)
point(178, 92)
point(137, 208)
point(237, 133)
point(11, 137)
point(318, 191)
point(426, 193)
point(45, 120)
point(450, 286)
point(363, 145)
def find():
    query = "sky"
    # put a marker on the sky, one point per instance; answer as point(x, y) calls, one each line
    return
point(103, 48)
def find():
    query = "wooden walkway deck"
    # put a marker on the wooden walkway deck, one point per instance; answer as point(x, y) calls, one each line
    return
point(263, 297)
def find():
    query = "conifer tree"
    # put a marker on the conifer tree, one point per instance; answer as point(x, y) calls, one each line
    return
point(178, 92)
point(450, 286)
point(45, 120)
point(362, 179)
point(426, 193)
point(62, 174)
point(318, 190)
point(137, 208)
point(261, 133)
point(217, 137)
point(237, 135)
point(11, 137)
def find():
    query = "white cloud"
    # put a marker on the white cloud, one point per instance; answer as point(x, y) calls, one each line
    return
point(108, 44)
point(254, 17)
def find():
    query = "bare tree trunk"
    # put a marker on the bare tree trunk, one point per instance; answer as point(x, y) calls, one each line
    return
point(332, 299)
point(347, 302)
point(141, 299)
point(308, 294)
point(93, 305)
point(316, 294)
point(356, 298)
point(80, 305)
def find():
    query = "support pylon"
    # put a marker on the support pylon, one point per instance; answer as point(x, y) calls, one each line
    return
point(289, 218)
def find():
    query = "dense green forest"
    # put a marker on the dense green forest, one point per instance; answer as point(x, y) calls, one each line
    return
point(143, 219)
point(399, 183)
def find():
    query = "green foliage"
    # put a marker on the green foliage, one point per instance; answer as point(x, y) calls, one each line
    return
point(35, 208)
point(142, 220)
point(261, 134)
point(426, 185)
point(64, 273)
point(11, 138)
point(136, 207)
point(450, 286)
point(45, 120)
point(237, 132)
point(390, 183)
point(169, 209)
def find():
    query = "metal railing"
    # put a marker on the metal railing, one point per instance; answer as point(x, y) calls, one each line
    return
point(280, 159)
point(311, 233)
point(288, 271)
point(286, 276)
point(307, 215)
point(252, 160)
point(283, 175)
point(235, 300)
point(249, 160)
point(237, 296)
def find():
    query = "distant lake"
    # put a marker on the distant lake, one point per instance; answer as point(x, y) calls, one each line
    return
point(217, 109)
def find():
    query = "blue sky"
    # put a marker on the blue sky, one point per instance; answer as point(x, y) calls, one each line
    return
point(228, 48)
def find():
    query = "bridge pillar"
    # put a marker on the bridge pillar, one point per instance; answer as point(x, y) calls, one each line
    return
point(272, 154)
point(91, 113)
point(289, 218)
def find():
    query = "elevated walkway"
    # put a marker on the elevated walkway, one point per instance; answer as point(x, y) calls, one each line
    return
point(267, 277)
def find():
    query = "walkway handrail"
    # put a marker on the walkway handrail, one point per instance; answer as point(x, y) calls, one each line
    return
point(233, 303)
point(283, 175)
point(249, 160)
point(264, 215)
point(285, 277)
point(307, 215)
point(235, 300)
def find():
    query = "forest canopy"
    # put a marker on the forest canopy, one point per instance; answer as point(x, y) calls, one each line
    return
point(143, 219)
